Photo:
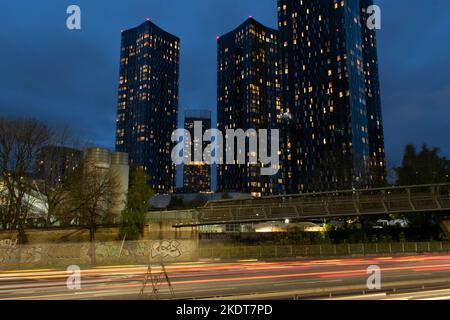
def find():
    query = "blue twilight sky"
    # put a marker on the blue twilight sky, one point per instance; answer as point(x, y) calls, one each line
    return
point(70, 77)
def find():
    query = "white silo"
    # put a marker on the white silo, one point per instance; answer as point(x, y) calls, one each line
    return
point(121, 170)
point(116, 164)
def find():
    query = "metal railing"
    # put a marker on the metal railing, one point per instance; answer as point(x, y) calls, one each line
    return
point(392, 200)
point(339, 250)
point(180, 216)
point(428, 198)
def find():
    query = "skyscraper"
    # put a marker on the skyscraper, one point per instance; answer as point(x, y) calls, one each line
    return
point(377, 162)
point(148, 101)
point(197, 175)
point(247, 97)
point(332, 113)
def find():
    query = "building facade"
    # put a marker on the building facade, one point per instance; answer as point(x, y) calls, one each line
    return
point(197, 175)
point(331, 99)
point(377, 155)
point(148, 101)
point(248, 98)
point(56, 163)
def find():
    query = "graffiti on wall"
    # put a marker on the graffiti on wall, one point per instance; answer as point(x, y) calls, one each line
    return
point(8, 244)
point(31, 255)
point(133, 252)
point(164, 249)
point(7, 250)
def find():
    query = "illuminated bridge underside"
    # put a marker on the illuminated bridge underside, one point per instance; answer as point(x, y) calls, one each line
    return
point(414, 199)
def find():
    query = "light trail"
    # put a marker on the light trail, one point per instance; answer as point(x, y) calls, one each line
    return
point(241, 276)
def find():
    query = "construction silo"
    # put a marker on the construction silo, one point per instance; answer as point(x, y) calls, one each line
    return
point(115, 164)
point(121, 170)
point(97, 158)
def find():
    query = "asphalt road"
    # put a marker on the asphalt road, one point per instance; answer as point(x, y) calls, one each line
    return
point(412, 277)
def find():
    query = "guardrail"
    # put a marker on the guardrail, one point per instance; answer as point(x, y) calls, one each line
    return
point(297, 251)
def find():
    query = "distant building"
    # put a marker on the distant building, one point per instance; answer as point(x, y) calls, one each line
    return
point(56, 163)
point(148, 101)
point(247, 97)
point(333, 135)
point(197, 175)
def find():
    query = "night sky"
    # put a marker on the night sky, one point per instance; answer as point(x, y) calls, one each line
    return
point(71, 77)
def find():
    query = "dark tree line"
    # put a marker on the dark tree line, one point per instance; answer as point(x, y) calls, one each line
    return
point(133, 217)
point(424, 167)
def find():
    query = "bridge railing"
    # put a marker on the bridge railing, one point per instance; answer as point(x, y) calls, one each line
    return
point(341, 203)
point(178, 216)
point(393, 200)
point(392, 191)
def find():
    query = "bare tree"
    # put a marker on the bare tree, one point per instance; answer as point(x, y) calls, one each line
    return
point(92, 193)
point(3, 205)
point(84, 195)
point(20, 142)
point(55, 164)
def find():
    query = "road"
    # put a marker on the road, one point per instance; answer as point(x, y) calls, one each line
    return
point(412, 277)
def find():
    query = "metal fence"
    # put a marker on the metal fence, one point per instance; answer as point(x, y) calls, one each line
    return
point(300, 251)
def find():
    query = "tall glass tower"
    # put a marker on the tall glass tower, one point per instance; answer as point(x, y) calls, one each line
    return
point(377, 154)
point(248, 98)
point(148, 101)
point(332, 113)
point(197, 174)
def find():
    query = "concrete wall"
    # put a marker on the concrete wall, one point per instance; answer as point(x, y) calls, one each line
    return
point(164, 230)
point(107, 253)
point(153, 231)
point(50, 248)
point(46, 236)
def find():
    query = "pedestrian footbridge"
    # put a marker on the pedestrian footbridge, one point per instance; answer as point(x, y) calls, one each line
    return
point(391, 200)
